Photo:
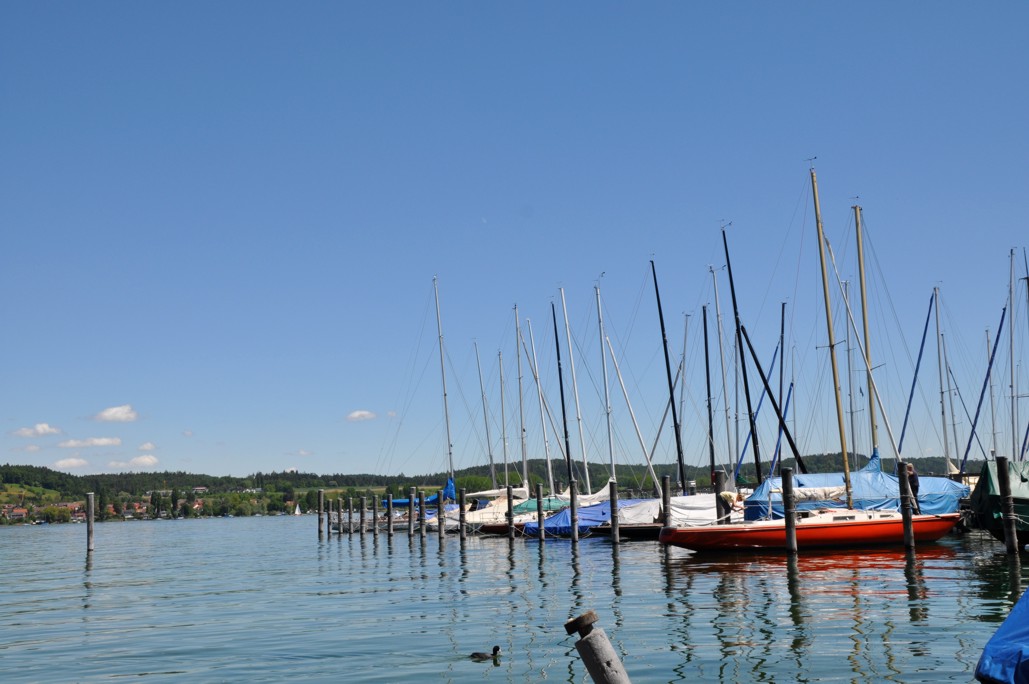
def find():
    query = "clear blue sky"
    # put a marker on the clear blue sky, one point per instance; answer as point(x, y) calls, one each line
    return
point(222, 220)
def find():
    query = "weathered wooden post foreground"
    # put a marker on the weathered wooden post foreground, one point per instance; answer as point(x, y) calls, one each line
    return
point(596, 651)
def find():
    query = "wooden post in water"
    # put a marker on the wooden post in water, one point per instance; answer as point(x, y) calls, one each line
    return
point(339, 516)
point(1007, 504)
point(539, 510)
point(722, 512)
point(510, 512)
point(90, 515)
point(421, 514)
point(350, 515)
point(410, 512)
point(389, 514)
point(789, 507)
point(462, 533)
point(613, 487)
point(375, 516)
point(441, 519)
point(321, 512)
point(905, 504)
point(574, 509)
point(666, 500)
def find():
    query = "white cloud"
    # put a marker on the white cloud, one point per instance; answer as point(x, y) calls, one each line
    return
point(37, 430)
point(69, 463)
point(147, 446)
point(303, 452)
point(90, 442)
point(117, 414)
point(187, 433)
point(32, 448)
point(146, 461)
point(358, 416)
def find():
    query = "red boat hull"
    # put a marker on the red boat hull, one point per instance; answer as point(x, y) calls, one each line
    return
point(810, 534)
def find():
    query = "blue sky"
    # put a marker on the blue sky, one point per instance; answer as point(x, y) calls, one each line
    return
point(222, 220)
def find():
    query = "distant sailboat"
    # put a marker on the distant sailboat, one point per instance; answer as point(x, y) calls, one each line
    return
point(297, 510)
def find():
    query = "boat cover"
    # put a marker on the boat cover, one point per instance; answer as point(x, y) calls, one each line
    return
point(871, 489)
point(985, 499)
point(449, 494)
point(560, 524)
point(1005, 658)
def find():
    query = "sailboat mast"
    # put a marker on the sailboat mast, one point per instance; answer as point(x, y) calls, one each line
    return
point(443, 374)
point(632, 415)
point(850, 374)
point(950, 394)
point(1011, 335)
point(561, 389)
point(485, 417)
point(503, 418)
point(575, 393)
point(743, 364)
point(710, 413)
point(864, 315)
point(671, 387)
point(993, 407)
point(521, 402)
point(832, 340)
point(607, 390)
point(939, 366)
point(782, 368)
point(721, 355)
point(543, 420)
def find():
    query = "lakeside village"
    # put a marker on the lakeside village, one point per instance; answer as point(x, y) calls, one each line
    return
point(39, 495)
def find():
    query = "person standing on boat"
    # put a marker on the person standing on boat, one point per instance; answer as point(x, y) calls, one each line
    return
point(913, 485)
point(733, 500)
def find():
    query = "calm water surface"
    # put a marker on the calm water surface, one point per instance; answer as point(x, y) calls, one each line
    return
point(266, 600)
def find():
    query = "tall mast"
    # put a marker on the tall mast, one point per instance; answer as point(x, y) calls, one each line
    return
point(939, 365)
point(950, 394)
point(443, 374)
point(850, 374)
point(503, 419)
point(864, 315)
point(782, 369)
point(743, 364)
point(521, 402)
point(561, 389)
point(485, 417)
point(646, 454)
point(575, 393)
point(671, 387)
point(710, 413)
point(1011, 335)
point(543, 420)
point(993, 407)
point(832, 341)
point(721, 354)
point(607, 390)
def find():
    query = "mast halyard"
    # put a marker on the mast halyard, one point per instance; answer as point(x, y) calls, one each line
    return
point(725, 382)
point(443, 374)
point(939, 367)
point(521, 402)
point(832, 341)
point(607, 390)
point(671, 387)
point(534, 366)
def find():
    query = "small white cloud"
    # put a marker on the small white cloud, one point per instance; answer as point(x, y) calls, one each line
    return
point(187, 433)
point(391, 414)
point(138, 462)
point(32, 448)
point(147, 446)
point(37, 430)
point(70, 463)
point(292, 470)
point(90, 442)
point(358, 416)
point(303, 452)
point(117, 414)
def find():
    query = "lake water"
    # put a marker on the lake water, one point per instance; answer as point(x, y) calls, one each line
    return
point(266, 600)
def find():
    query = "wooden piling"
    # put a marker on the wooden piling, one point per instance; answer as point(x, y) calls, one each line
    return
point(1007, 503)
point(613, 488)
point(389, 514)
point(410, 512)
point(510, 513)
point(666, 500)
point(375, 516)
point(906, 504)
point(462, 533)
point(350, 516)
point(360, 513)
point(789, 506)
point(321, 512)
point(574, 509)
point(421, 514)
point(539, 510)
point(90, 515)
point(441, 518)
point(722, 512)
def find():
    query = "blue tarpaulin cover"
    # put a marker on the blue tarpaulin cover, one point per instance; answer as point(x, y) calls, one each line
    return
point(560, 524)
point(871, 489)
point(1005, 659)
point(449, 494)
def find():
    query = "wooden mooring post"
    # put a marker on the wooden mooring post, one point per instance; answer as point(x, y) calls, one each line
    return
point(421, 515)
point(321, 512)
point(573, 507)
point(375, 516)
point(906, 504)
point(789, 508)
point(614, 510)
point(441, 519)
point(510, 513)
point(1007, 504)
point(539, 510)
point(339, 515)
point(666, 500)
point(389, 514)
point(722, 512)
point(410, 512)
point(361, 513)
point(461, 531)
point(597, 653)
point(90, 515)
